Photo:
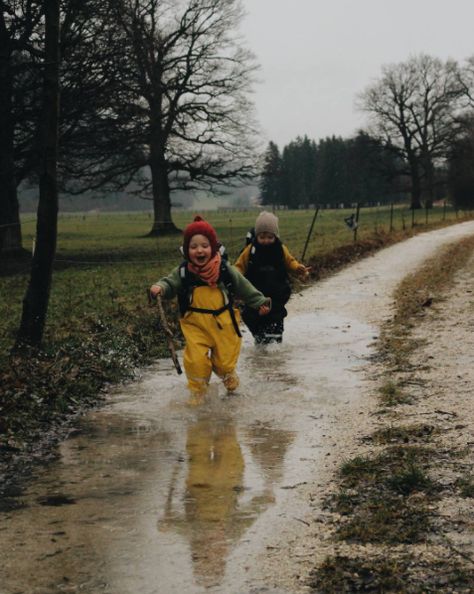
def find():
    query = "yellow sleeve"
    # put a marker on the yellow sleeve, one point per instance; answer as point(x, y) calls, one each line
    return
point(242, 262)
point(291, 263)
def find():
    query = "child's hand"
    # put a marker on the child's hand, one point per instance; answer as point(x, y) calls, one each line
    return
point(304, 271)
point(155, 291)
point(264, 309)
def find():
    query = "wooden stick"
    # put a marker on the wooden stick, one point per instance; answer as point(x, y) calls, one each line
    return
point(169, 335)
point(167, 331)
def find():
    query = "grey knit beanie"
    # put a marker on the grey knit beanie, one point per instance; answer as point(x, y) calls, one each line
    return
point(266, 222)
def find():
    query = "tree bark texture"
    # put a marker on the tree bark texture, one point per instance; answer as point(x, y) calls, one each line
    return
point(162, 221)
point(415, 185)
point(35, 302)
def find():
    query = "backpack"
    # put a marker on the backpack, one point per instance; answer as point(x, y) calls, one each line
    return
point(271, 278)
point(249, 238)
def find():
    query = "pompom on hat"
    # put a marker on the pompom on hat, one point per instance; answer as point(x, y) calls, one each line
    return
point(200, 227)
point(267, 222)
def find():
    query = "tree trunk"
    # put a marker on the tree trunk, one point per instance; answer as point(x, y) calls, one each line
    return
point(162, 222)
point(415, 186)
point(429, 190)
point(10, 228)
point(35, 302)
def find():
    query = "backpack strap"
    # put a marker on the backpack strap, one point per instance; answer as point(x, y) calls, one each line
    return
point(188, 285)
point(226, 278)
point(251, 255)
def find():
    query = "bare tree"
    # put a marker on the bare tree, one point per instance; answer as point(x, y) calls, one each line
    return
point(180, 117)
point(466, 80)
point(17, 22)
point(412, 110)
point(35, 302)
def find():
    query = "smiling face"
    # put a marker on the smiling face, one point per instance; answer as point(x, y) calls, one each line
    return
point(199, 250)
point(266, 238)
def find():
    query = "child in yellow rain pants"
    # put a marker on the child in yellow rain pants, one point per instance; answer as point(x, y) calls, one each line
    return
point(205, 284)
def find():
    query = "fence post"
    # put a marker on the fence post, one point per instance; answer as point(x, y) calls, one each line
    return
point(426, 213)
point(391, 217)
point(444, 210)
point(412, 217)
point(309, 233)
point(356, 221)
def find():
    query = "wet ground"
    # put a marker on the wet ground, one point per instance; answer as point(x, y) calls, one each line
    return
point(151, 496)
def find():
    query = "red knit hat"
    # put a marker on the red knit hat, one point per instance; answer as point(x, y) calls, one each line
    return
point(199, 227)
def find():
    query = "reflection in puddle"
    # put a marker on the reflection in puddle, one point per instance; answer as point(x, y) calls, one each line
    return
point(160, 494)
point(214, 513)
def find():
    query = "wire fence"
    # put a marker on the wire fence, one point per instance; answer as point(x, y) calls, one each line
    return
point(232, 224)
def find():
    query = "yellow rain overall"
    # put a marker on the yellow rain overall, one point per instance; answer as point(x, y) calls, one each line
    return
point(212, 344)
point(212, 341)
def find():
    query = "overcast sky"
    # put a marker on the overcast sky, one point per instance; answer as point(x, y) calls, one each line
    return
point(316, 55)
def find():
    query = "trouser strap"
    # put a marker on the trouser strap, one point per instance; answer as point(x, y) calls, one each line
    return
point(218, 312)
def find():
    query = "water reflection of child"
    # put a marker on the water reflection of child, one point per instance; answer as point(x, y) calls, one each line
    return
point(214, 517)
point(266, 262)
point(209, 321)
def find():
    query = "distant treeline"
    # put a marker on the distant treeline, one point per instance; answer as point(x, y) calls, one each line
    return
point(116, 201)
point(331, 172)
point(132, 202)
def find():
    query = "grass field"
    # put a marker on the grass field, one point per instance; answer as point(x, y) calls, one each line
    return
point(105, 262)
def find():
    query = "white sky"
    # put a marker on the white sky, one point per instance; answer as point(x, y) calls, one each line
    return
point(316, 55)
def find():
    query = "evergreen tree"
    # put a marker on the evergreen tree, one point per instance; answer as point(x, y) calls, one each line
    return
point(299, 173)
point(461, 169)
point(270, 180)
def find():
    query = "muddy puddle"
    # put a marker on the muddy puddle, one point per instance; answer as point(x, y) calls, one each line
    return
point(150, 495)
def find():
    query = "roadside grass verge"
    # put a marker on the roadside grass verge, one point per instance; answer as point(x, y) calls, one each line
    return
point(384, 498)
point(417, 292)
point(384, 574)
point(387, 498)
point(71, 373)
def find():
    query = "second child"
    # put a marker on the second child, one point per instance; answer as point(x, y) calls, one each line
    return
point(266, 262)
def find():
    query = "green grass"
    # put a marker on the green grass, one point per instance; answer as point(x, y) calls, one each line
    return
point(403, 434)
point(375, 493)
point(466, 486)
point(391, 395)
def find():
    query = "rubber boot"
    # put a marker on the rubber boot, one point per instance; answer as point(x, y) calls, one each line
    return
point(231, 381)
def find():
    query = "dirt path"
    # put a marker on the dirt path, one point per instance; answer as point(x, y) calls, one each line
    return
point(152, 497)
point(447, 338)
